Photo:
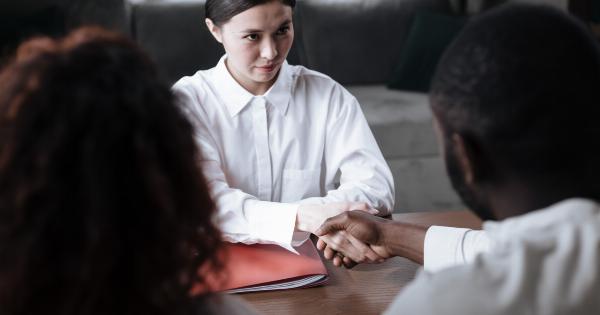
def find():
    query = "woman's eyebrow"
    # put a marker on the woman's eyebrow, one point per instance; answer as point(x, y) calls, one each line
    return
point(252, 30)
point(285, 23)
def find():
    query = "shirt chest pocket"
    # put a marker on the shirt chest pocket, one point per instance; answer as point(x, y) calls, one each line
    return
point(298, 184)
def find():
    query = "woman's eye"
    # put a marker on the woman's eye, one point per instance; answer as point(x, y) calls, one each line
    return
point(283, 30)
point(252, 37)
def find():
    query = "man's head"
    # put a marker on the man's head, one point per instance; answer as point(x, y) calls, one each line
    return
point(517, 99)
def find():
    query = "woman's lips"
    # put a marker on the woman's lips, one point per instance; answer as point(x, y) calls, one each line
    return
point(267, 69)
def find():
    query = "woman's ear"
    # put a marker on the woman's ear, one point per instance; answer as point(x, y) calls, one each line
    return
point(214, 30)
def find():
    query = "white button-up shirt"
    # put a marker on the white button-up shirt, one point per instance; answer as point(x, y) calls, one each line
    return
point(264, 155)
point(448, 246)
point(544, 262)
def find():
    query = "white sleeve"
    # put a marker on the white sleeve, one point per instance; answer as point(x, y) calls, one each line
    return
point(240, 216)
point(351, 149)
point(448, 246)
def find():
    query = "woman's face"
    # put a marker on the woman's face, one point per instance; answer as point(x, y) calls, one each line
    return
point(257, 42)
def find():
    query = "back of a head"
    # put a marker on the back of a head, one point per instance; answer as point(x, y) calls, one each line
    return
point(103, 209)
point(523, 81)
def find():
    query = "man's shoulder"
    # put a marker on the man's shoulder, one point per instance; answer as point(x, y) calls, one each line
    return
point(465, 289)
point(554, 269)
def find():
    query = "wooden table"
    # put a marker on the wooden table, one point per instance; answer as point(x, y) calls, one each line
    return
point(365, 289)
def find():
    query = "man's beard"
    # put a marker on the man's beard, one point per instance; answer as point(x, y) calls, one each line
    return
point(474, 201)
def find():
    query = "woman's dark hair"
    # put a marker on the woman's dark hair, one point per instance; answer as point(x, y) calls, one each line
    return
point(103, 209)
point(221, 11)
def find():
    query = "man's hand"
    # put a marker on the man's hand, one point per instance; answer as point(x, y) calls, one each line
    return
point(310, 217)
point(386, 238)
point(359, 228)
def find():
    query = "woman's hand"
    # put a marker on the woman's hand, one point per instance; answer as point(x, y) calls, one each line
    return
point(310, 216)
point(345, 249)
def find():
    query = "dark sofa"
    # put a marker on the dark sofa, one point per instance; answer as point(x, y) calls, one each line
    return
point(356, 42)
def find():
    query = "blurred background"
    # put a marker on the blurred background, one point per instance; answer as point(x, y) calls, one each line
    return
point(383, 51)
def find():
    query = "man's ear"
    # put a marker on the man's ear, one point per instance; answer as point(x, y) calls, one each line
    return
point(214, 30)
point(467, 157)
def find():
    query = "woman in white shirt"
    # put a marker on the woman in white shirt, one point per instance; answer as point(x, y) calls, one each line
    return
point(276, 138)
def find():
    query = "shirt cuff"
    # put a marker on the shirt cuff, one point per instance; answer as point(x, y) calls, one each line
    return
point(299, 238)
point(443, 247)
point(271, 222)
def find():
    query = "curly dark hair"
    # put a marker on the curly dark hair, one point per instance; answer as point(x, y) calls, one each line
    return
point(103, 207)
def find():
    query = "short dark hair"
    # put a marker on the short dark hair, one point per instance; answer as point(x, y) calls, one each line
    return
point(221, 11)
point(524, 81)
point(103, 209)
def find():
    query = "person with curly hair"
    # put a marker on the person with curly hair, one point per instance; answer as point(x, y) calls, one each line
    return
point(103, 208)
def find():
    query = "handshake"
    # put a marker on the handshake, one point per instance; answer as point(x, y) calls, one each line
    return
point(351, 233)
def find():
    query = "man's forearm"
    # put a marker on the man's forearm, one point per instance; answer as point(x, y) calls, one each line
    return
point(404, 239)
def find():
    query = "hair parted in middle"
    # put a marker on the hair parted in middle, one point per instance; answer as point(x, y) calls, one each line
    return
point(221, 11)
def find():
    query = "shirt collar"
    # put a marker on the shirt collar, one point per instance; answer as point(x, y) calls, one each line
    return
point(236, 97)
point(280, 93)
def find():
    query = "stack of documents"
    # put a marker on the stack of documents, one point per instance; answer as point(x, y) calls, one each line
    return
point(262, 267)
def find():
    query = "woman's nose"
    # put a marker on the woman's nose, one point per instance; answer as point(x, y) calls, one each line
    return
point(268, 49)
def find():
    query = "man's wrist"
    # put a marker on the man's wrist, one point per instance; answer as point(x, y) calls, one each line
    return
point(390, 237)
point(404, 239)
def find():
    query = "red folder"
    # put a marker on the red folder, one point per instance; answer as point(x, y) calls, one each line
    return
point(261, 267)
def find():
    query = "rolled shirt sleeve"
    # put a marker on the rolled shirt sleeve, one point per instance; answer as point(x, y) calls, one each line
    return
point(273, 221)
point(447, 246)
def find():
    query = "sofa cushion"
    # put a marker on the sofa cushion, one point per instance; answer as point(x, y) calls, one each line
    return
point(429, 35)
point(357, 41)
point(422, 185)
point(175, 36)
point(111, 14)
point(20, 20)
point(19, 25)
point(401, 121)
